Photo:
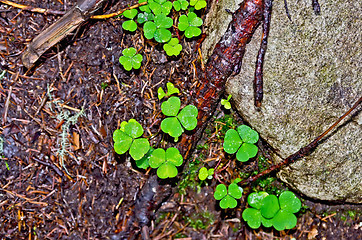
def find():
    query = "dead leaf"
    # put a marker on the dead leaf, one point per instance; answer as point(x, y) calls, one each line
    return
point(312, 233)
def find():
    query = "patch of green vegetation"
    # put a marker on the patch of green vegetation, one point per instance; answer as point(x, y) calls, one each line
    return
point(227, 122)
point(189, 179)
point(200, 220)
point(202, 146)
point(352, 214)
point(163, 216)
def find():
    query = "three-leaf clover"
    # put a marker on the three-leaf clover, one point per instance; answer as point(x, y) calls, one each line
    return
point(145, 17)
point(160, 6)
point(198, 4)
point(172, 47)
point(130, 59)
point(206, 173)
point(269, 210)
point(178, 120)
point(166, 162)
point(228, 196)
point(158, 28)
point(130, 25)
point(171, 89)
point(226, 102)
point(127, 138)
point(190, 24)
point(180, 4)
point(241, 142)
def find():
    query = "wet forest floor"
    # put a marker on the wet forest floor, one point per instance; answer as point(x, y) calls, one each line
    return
point(81, 78)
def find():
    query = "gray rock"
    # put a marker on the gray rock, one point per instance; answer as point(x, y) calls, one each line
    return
point(311, 77)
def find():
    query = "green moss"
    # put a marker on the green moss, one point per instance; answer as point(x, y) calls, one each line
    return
point(200, 220)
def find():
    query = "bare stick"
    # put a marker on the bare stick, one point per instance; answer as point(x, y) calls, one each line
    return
point(32, 9)
point(304, 151)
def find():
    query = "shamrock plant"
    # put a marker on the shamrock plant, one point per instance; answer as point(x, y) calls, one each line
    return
point(180, 4)
point(127, 137)
point(172, 48)
point(157, 24)
point(198, 4)
point(171, 89)
point(178, 121)
point(130, 25)
point(268, 210)
point(160, 6)
point(158, 28)
point(166, 162)
point(206, 173)
point(130, 59)
point(226, 102)
point(241, 142)
point(228, 196)
point(189, 24)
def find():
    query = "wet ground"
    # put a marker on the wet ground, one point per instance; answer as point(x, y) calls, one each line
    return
point(39, 199)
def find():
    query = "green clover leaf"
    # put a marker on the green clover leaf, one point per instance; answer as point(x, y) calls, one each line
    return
point(144, 8)
point(172, 47)
point(180, 4)
point(189, 24)
point(255, 199)
point(187, 117)
point(166, 162)
point(130, 13)
point(160, 6)
point(144, 161)
point(288, 201)
point(226, 102)
point(171, 89)
point(220, 192)
point(241, 143)
point(247, 134)
point(158, 28)
point(171, 107)
point(270, 206)
point(130, 59)
point(198, 4)
point(284, 220)
point(177, 121)
point(205, 173)
point(253, 217)
point(144, 17)
point(227, 197)
point(127, 138)
point(130, 25)
point(232, 141)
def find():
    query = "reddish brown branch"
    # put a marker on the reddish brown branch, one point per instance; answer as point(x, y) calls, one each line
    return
point(258, 77)
point(304, 151)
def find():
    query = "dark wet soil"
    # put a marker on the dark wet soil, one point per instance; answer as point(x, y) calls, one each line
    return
point(40, 200)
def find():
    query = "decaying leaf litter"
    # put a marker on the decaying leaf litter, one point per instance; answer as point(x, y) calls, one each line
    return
point(39, 197)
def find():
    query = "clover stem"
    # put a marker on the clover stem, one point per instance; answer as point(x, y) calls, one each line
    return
point(304, 151)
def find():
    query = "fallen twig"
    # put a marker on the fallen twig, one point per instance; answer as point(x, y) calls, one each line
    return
point(32, 9)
